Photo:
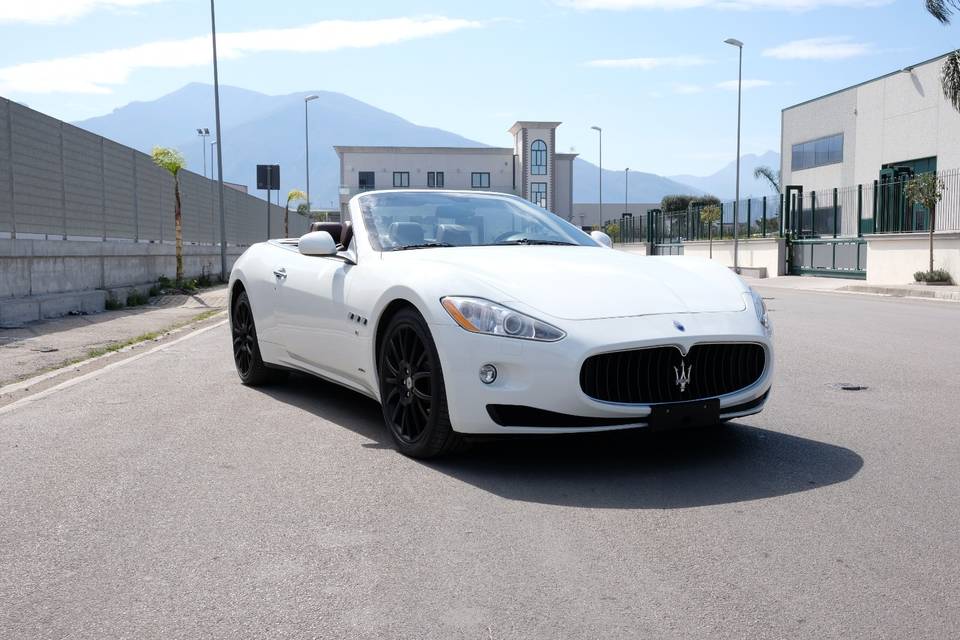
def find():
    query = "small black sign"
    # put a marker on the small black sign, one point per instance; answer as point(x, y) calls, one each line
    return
point(268, 177)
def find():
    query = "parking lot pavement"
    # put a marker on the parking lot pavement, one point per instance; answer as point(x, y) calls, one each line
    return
point(161, 499)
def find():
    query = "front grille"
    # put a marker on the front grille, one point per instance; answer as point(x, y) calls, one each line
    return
point(648, 376)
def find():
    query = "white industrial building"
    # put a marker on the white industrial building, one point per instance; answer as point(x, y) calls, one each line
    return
point(847, 137)
point(531, 168)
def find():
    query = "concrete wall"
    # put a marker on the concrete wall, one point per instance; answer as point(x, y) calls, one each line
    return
point(44, 267)
point(894, 258)
point(898, 117)
point(60, 182)
point(769, 253)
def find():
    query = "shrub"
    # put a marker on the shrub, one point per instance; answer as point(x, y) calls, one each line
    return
point(935, 275)
point(113, 304)
point(135, 298)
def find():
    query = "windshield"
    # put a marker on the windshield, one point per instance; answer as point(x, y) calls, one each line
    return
point(416, 219)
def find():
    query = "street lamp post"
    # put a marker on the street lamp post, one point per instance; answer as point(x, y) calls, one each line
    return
point(600, 207)
point(216, 107)
point(736, 203)
point(306, 142)
point(203, 133)
point(213, 143)
point(626, 189)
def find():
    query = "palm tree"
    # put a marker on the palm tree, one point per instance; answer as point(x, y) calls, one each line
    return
point(772, 176)
point(709, 215)
point(294, 194)
point(950, 71)
point(173, 161)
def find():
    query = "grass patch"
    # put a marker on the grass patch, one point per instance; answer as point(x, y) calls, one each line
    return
point(150, 335)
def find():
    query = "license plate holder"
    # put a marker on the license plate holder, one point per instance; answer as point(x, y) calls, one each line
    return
point(680, 415)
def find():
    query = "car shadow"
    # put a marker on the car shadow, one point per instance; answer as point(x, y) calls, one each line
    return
point(636, 469)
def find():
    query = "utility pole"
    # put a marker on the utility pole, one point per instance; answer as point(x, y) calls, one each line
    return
point(216, 106)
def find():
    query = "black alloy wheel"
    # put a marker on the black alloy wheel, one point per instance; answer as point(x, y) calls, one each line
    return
point(246, 349)
point(411, 389)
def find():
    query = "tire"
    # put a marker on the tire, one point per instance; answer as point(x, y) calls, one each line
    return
point(246, 349)
point(413, 396)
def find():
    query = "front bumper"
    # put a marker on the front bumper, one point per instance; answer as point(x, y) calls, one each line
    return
point(543, 378)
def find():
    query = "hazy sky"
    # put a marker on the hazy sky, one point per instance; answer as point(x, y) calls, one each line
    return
point(655, 74)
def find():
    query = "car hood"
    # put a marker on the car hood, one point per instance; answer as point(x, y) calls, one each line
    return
point(585, 283)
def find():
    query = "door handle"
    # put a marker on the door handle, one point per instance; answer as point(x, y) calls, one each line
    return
point(280, 273)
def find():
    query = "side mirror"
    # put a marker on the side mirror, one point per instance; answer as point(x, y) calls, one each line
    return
point(602, 238)
point(317, 243)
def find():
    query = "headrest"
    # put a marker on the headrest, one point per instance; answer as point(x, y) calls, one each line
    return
point(454, 234)
point(406, 233)
point(335, 229)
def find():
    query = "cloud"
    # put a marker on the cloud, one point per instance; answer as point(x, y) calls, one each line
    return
point(772, 5)
point(648, 63)
point(98, 72)
point(731, 85)
point(687, 89)
point(54, 11)
point(836, 48)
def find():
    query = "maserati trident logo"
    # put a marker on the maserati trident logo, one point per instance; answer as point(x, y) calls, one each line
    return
point(683, 376)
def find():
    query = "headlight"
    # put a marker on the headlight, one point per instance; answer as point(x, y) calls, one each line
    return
point(761, 309)
point(482, 316)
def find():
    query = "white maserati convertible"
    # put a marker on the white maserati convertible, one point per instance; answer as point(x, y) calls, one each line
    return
point(479, 313)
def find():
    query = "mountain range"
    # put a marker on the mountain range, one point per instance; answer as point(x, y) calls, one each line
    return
point(264, 129)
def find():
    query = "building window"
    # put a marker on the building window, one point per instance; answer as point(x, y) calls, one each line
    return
point(435, 179)
point(538, 158)
point(538, 194)
point(366, 180)
point(401, 178)
point(817, 153)
point(480, 180)
point(439, 179)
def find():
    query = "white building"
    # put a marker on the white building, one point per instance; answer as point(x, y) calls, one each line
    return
point(847, 137)
point(532, 168)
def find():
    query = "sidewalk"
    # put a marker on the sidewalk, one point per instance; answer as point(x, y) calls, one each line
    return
point(44, 345)
point(849, 285)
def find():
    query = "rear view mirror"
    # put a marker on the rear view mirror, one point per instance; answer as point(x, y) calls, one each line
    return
point(317, 243)
point(602, 238)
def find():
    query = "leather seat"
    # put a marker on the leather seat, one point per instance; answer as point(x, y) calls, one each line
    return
point(406, 233)
point(346, 234)
point(335, 229)
point(455, 234)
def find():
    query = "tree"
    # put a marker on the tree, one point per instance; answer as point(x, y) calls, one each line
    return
point(675, 202)
point(710, 214)
point(950, 71)
point(294, 194)
point(772, 177)
point(926, 189)
point(173, 161)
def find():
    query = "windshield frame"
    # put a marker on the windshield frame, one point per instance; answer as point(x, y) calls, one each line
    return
point(365, 202)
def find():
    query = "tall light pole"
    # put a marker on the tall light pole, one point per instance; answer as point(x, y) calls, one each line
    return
point(203, 133)
point(600, 207)
point(216, 107)
point(736, 203)
point(306, 142)
point(626, 189)
point(213, 143)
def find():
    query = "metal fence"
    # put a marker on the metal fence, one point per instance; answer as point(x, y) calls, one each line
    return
point(60, 182)
point(848, 212)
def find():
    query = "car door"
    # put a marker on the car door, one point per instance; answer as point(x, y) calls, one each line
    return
point(312, 316)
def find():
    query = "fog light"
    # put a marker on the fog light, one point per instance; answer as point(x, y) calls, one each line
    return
point(488, 373)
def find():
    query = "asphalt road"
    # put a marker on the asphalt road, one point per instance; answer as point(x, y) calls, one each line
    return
point(161, 499)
